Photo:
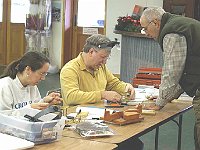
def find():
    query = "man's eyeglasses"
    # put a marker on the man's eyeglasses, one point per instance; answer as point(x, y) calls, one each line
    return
point(145, 28)
point(103, 57)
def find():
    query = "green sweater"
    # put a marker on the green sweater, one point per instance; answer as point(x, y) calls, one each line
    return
point(190, 28)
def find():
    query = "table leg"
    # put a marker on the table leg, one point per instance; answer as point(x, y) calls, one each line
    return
point(180, 132)
point(156, 138)
point(179, 124)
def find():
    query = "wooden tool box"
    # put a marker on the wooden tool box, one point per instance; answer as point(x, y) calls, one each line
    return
point(148, 76)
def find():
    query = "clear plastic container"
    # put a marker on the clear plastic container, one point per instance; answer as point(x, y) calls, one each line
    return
point(37, 132)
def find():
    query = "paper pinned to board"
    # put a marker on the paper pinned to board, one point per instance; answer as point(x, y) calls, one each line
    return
point(90, 31)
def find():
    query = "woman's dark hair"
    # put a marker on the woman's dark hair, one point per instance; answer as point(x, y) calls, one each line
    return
point(35, 60)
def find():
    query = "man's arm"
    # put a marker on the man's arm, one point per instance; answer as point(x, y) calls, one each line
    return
point(113, 83)
point(174, 56)
point(69, 80)
point(6, 99)
point(120, 87)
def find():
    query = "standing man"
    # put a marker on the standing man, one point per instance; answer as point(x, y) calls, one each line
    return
point(179, 38)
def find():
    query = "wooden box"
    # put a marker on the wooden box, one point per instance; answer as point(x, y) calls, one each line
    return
point(148, 76)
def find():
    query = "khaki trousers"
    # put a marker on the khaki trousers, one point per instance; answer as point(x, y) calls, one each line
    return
point(196, 106)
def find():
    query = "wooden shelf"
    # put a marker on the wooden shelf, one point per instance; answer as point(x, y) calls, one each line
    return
point(135, 34)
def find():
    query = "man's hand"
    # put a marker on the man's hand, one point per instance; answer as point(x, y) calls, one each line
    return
point(153, 107)
point(111, 96)
point(129, 89)
point(152, 97)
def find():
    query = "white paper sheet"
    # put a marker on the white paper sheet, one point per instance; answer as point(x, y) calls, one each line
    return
point(9, 142)
point(94, 112)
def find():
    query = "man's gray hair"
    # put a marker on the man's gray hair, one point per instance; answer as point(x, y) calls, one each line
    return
point(152, 13)
point(94, 41)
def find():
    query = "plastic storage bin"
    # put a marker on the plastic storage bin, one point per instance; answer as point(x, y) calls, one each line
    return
point(12, 122)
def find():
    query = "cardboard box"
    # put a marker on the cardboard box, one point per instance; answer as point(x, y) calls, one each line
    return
point(138, 10)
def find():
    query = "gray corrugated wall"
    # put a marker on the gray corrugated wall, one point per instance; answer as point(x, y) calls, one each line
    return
point(138, 52)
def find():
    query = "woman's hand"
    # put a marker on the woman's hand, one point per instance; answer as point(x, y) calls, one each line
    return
point(53, 98)
point(39, 106)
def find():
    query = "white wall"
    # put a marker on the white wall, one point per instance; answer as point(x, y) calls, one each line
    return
point(57, 43)
point(116, 8)
point(57, 39)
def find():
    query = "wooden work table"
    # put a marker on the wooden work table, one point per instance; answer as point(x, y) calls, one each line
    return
point(135, 130)
point(72, 140)
point(74, 144)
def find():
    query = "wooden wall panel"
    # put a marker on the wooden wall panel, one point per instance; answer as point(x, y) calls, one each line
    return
point(16, 42)
point(2, 45)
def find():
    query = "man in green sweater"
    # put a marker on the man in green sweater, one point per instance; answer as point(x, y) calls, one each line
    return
point(86, 79)
point(178, 37)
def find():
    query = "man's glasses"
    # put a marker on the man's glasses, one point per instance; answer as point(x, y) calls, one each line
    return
point(103, 57)
point(145, 28)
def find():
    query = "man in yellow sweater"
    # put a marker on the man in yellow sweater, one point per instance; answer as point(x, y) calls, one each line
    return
point(86, 79)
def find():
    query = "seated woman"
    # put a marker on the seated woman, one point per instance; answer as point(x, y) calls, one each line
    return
point(19, 81)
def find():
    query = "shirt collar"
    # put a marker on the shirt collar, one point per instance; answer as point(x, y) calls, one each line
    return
point(18, 82)
point(81, 62)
